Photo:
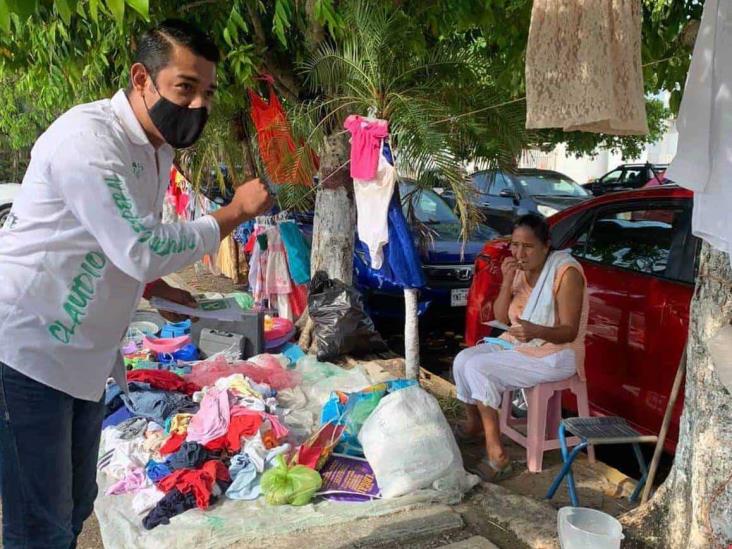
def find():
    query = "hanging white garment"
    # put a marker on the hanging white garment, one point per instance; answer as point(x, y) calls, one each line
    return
point(583, 67)
point(703, 161)
point(372, 205)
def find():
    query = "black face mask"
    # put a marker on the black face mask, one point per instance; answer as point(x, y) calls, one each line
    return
point(180, 126)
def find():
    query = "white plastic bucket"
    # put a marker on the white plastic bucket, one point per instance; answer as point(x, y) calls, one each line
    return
point(582, 528)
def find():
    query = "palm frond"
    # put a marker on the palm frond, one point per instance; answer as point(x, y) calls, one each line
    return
point(428, 95)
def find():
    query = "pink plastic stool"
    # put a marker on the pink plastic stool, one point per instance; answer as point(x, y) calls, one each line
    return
point(544, 403)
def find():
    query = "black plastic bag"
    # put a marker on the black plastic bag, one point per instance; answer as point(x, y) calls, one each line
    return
point(341, 323)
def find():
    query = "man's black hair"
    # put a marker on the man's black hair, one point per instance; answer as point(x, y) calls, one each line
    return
point(155, 46)
point(537, 224)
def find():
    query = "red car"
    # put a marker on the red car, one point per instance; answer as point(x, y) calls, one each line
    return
point(640, 258)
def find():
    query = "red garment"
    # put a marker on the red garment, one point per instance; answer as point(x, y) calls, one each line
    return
point(298, 300)
point(244, 423)
point(147, 293)
point(242, 426)
point(315, 451)
point(217, 444)
point(164, 380)
point(249, 246)
point(199, 481)
point(173, 444)
point(283, 160)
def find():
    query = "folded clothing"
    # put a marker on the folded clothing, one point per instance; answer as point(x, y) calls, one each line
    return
point(162, 379)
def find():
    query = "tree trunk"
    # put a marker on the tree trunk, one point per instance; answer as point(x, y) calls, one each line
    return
point(333, 226)
point(411, 333)
point(335, 215)
point(693, 507)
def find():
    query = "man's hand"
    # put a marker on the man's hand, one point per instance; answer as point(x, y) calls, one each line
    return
point(252, 198)
point(164, 290)
point(525, 331)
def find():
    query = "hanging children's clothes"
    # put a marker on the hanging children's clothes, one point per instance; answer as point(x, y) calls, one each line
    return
point(366, 140)
point(298, 252)
point(242, 233)
point(703, 161)
point(283, 161)
point(372, 204)
point(277, 276)
point(583, 67)
point(258, 269)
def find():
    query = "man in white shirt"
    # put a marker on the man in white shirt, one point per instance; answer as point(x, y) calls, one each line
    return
point(83, 238)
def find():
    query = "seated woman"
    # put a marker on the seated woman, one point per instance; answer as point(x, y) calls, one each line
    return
point(544, 300)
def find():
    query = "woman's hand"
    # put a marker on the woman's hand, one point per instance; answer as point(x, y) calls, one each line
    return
point(525, 331)
point(508, 269)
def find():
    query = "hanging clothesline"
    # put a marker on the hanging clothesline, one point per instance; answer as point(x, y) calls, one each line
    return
point(518, 100)
point(318, 185)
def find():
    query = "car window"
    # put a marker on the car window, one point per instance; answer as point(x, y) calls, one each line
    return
point(549, 185)
point(482, 181)
point(500, 183)
point(645, 240)
point(612, 178)
point(428, 206)
point(634, 177)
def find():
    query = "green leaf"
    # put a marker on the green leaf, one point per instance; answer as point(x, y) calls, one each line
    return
point(281, 20)
point(64, 10)
point(142, 7)
point(117, 7)
point(4, 16)
point(227, 37)
point(24, 8)
point(238, 19)
point(94, 10)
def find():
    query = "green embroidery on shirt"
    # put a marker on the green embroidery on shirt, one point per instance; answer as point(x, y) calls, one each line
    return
point(81, 293)
point(126, 208)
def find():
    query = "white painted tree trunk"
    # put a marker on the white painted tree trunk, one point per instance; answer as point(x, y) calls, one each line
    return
point(693, 508)
point(411, 334)
point(334, 223)
point(335, 214)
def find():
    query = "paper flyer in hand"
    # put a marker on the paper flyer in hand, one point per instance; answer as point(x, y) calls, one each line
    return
point(217, 309)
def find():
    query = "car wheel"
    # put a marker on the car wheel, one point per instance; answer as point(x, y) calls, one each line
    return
point(4, 212)
point(519, 407)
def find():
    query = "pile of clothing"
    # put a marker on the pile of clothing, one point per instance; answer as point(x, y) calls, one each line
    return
point(284, 427)
point(182, 441)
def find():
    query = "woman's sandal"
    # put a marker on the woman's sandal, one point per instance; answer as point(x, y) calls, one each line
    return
point(488, 472)
point(462, 436)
